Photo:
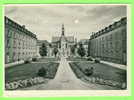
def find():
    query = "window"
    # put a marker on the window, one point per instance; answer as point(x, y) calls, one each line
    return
point(9, 34)
point(111, 36)
point(8, 43)
point(14, 43)
point(117, 46)
point(6, 21)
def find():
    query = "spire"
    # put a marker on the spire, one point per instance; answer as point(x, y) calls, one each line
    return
point(63, 29)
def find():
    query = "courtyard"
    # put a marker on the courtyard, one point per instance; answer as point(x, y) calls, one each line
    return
point(65, 75)
point(77, 52)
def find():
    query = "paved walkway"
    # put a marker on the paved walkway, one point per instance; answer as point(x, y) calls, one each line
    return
point(14, 63)
point(65, 79)
point(120, 66)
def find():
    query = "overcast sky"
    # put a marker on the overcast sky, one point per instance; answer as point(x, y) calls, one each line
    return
point(79, 20)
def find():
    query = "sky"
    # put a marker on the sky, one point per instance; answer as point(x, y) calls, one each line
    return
point(79, 20)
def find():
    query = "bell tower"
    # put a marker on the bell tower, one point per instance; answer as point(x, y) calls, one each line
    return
point(63, 30)
point(63, 42)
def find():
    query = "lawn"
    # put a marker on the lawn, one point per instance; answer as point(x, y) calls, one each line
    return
point(76, 59)
point(100, 70)
point(48, 59)
point(25, 71)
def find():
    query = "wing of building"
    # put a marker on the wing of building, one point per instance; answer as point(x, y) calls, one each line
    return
point(110, 43)
point(20, 43)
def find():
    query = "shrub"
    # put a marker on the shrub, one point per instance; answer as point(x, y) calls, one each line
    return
point(43, 50)
point(27, 61)
point(97, 60)
point(34, 59)
point(42, 72)
point(90, 59)
point(89, 71)
point(81, 50)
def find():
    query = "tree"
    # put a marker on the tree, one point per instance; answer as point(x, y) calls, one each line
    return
point(50, 45)
point(81, 51)
point(73, 48)
point(88, 48)
point(42, 72)
point(43, 50)
point(55, 51)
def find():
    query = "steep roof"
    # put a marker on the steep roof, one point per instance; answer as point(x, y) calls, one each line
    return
point(22, 28)
point(55, 39)
point(68, 39)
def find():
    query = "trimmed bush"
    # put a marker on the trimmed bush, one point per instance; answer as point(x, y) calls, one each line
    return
point(89, 59)
point(97, 60)
point(89, 71)
point(26, 61)
point(34, 59)
point(42, 72)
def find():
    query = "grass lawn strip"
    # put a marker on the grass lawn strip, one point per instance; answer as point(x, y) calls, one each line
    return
point(103, 74)
point(25, 71)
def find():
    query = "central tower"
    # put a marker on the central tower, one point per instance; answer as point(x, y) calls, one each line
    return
point(63, 30)
point(63, 42)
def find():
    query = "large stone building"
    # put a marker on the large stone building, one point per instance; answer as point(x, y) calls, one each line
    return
point(110, 43)
point(20, 43)
point(63, 43)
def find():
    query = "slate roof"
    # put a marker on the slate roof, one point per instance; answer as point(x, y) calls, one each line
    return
point(57, 39)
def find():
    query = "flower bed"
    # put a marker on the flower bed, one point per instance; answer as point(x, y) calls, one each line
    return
point(76, 70)
point(97, 80)
point(24, 83)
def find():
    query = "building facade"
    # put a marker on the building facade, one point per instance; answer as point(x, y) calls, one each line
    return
point(20, 43)
point(63, 43)
point(110, 43)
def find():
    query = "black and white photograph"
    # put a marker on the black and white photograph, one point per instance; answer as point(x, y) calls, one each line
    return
point(81, 47)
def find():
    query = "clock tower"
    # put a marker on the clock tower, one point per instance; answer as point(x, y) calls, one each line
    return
point(63, 30)
point(63, 42)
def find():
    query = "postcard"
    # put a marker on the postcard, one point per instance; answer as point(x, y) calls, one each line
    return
point(61, 50)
